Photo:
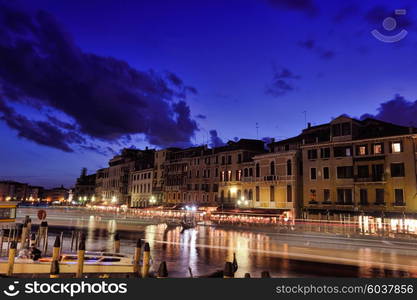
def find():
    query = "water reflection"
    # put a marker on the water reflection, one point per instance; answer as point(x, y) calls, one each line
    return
point(206, 248)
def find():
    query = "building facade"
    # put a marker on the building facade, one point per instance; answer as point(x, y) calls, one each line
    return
point(140, 188)
point(365, 167)
point(85, 188)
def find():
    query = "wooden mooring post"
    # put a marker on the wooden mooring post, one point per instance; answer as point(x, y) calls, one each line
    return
point(146, 260)
point(116, 243)
point(54, 269)
point(136, 258)
point(162, 271)
point(80, 259)
point(1, 241)
point(12, 254)
point(228, 271)
point(56, 249)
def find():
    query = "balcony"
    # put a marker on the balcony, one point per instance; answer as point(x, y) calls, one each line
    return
point(369, 179)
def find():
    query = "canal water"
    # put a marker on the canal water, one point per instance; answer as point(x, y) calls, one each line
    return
point(204, 249)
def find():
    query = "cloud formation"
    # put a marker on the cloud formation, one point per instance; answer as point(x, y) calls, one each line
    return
point(105, 98)
point(215, 140)
point(378, 13)
point(398, 111)
point(311, 45)
point(306, 6)
point(282, 82)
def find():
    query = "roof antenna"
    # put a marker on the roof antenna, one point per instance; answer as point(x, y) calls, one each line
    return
point(257, 131)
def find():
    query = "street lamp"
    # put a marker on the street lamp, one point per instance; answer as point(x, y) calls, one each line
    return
point(152, 200)
point(114, 199)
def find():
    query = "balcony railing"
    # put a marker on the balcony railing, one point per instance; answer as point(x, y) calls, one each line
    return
point(375, 178)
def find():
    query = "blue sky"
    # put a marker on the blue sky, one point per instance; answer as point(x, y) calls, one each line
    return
point(232, 53)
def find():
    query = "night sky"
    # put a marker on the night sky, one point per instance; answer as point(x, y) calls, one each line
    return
point(79, 80)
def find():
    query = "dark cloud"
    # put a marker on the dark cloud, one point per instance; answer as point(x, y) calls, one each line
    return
point(376, 15)
point(200, 116)
point(327, 54)
point(307, 44)
point(306, 6)
point(346, 12)
point(312, 46)
point(41, 132)
point(398, 111)
point(215, 140)
point(282, 82)
point(41, 66)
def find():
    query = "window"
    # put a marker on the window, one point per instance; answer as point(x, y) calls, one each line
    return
point(363, 171)
point(396, 147)
point(378, 148)
point(399, 197)
point(245, 172)
point(379, 196)
point(336, 130)
point(257, 193)
point(223, 160)
point(289, 167)
point(239, 158)
point(229, 159)
point(344, 196)
point(222, 177)
point(363, 196)
point(272, 193)
point(289, 193)
point(326, 173)
point(362, 150)
point(313, 197)
point(344, 172)
point(257, 170)
point(250, 172)
point(341, 129)
point(313, 173)
point(217, 172)
point(272, 168)
point(326, 196)
point(342, 151)
point(346, 129)
point(238, 175)
point(312, 154)
point(229, 175)
point(397, 170)
point(378, 172)
point(325, 152)
point(250, 195)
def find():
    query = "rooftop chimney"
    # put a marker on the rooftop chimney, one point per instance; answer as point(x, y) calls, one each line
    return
point(308, 125)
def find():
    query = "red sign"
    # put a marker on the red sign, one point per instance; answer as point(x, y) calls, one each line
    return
point(41, 214)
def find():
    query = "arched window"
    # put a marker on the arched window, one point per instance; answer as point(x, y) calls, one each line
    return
point(257, 170)
point(250, 196)
point(239, 194)
point(245, 172)
point(222, 195)
point(229, 195)
point(272, 168)
point(245, 194)
point(289, 167)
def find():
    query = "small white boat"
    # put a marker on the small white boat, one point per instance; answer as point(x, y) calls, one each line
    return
point(94, 262)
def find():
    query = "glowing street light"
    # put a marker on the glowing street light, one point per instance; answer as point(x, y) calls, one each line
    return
point(114, 199)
